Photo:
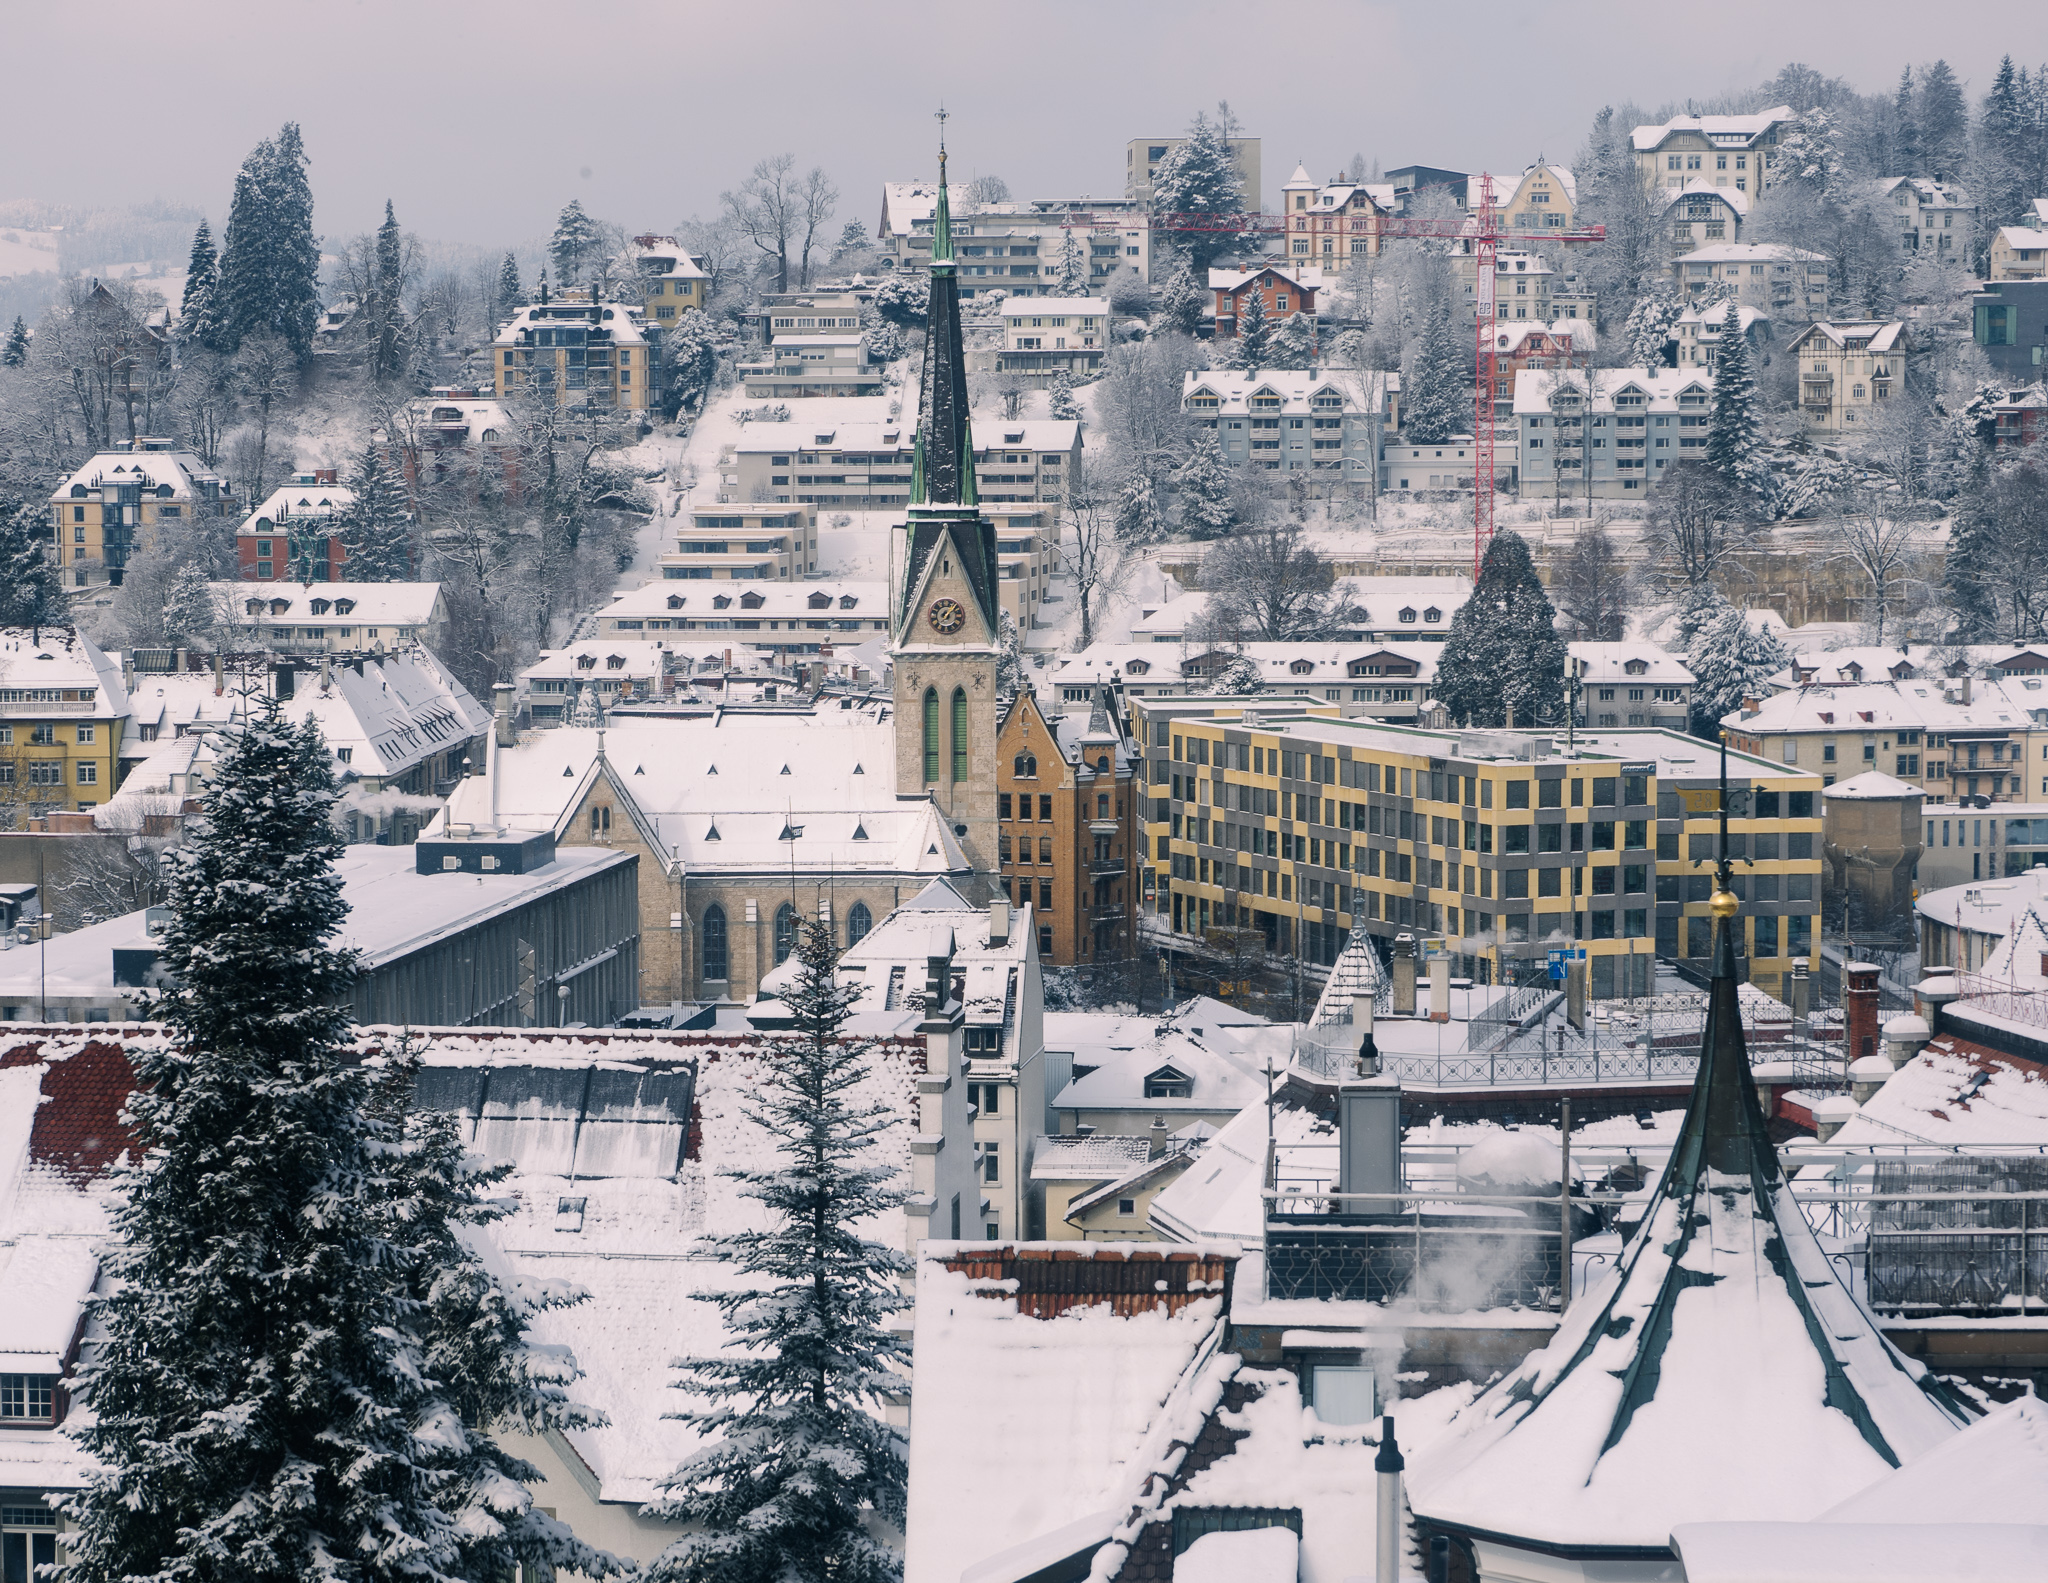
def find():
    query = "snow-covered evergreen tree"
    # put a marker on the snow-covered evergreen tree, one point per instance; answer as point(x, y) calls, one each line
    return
point(1252, 346)
point(797, 1462)
point(1063, 406)
point(15, 353)
point(264, 1398)
point(1294, 342)
point(585, 712)
point(1973, 529)
point(378, 526)
point(1503, 663)
point(1730, 657)
point(689, 357)
point(1239, 676)
point(1699, 606)
point(1009, 655)
point(387, 321)
point(885, 342)
point(853, 238)
point(1138, 518)
point(576, 238)
point(1436, 392)
point(202, 282)
point(1648, 330)
point(511, 294)
point(1201, 492)
point(1183, 304)
point(270, 259)
point(190, 613)
point(31, 588)
point(1071, 272)
point(905, 299)
point(1734, 437)
point(1128, 292)
point(1200, 176)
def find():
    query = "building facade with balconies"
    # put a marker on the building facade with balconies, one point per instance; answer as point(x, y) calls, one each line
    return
point(296, 534)
point(331, 618)
point(1620, 428)
point(1847, 372)
point(867, 466)
point(1628, 685)
point(1046, 336)
point(110, 508)
point(1324, 426)
point(1013, 247)
point(1732, 151)
point(1788, 283)
point(752, 543)
point(802, 363)
point(571, 351)
point(62, 706)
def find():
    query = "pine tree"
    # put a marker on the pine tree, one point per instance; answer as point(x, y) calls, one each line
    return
point(1138, 519)
point(1253, 343)
point(1944, 122)
point(1699, 606)
point(1009, 655)
point(190, 614)
point(2007, 180)
point(15, 353)
point(1064, 408)
point(511, 294)
point(1973, 531)
point(202, 283)
point(853, 239)
point(1201, 492)
point(377, 527)
point(689, 355)
point(1294, 342)
point(1730, 659)
point(270, 260)
point(386, 311)
point(1436, 393)
point(575, 239)
point(1905, 129)
point(1239, 678)
point(1733, 435)
point(1183, 304)
point(1648, 331)
point(1200, 176)
point(31, 589)
point(797, 1461)
point(1072, 269)
point(1503, 663)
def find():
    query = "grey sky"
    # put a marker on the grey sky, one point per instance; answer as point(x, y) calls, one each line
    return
point(480, 118)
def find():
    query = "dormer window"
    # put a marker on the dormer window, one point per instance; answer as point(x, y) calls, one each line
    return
point(615, 662)
point(28, 1398)
point(1204, 401)
point(1138, 668)
point(675, 601)
point(1636, 667)
point(1302, 668)
point(752, 601)
point(1169, 1082)
point(586, 662)
point(1408, 618)
point(320, 607)
point(721, 601)
point(1432, 615)
point(343, 607)
point(819, 601)
point(280, 607)
point(847, 601)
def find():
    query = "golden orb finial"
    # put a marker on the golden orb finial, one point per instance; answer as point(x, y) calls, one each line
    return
point(1722, 904)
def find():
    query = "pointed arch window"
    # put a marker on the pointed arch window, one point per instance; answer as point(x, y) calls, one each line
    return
point(858, 922)
point(785, 931)
point(959, 733)
point(713, 945)
point(1025, 767)
point(931, 736)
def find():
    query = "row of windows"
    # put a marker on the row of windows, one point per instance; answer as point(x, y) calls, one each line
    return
point(50, 773)
point(714, 945)
point(45, 736)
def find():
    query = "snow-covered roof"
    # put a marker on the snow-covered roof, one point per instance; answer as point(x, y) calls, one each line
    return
point(1723, 131)
point(1722, 1327)
point(1066, 1157)
point(1512, 337)
point(906, 203)
point(1872, 1552)
point(172, 475)
point(2040, 208)
point(1932, 194)
point(1874, 786)
point(1660, 388)
point(388, 713)
point(1877, 335)
point(350, 604)
point(2023, 237)
point(304, 496)
point(1707, 320)
point(1680, 757)
point(999, 983)
point(1280, 664)
point(723, 599)
point(1033, 307)
point(1956, 1092)
point(1849, 667)
point(61, 659)
point(1629, 662)
point(616, 322)
point(1995, 1471)
point(1296, 388)
point(479, 417)
point(1750, 253)
point(1225, 1073)
point(1736, 200)
point(717, 793)
point(1234, 279)
point(1988, 906)
point(1031, 434)
point(1919, 703)
point(1357, 971)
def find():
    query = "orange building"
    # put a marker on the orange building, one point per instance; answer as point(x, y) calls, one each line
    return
point(1282, 295)
point(1068, 829)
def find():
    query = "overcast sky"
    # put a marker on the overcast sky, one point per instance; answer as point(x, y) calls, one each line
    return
point(480, 118)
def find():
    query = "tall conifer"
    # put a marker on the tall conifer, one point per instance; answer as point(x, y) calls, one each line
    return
point(377, 528)
point(1503, 663)
point(1733, 434)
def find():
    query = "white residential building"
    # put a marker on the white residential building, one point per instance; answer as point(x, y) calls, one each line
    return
point(1629, 684)
point(866, 466)
point(788, 619)
point(1325, 424)
point(2019, 252)
point(1044, 336)
point(1636, 424)
point(744, 543)
point(813, 363)
point(1732, 151)
point(1787, 282)
point(1383, 681)
point(1935, 220)
point(1847, 371)
point(1695, 338)
point(1700, 214)
point(332, 618)
point(1013, 247)
point(1393, 609)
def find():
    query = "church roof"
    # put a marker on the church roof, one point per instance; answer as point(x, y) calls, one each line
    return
point(1357, 972)
point(1722, 1372)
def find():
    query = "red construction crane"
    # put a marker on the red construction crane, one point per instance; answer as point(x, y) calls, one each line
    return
point(1480, 227)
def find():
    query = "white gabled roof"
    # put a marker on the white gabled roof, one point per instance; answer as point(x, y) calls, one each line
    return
point(1749, 253)
point(1916, 703)
point(1660, 387)
point(1880, 335)
point(1609, 662)
point(1034, 307)
point(62, 658)
point(300, 498)
point(2023, 237)
point(369, 604)
point(1732, 131)
point(177, 471)
point(1233, 388)
point(1231, 279)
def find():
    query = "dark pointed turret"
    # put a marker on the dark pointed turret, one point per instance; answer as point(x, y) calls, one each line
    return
point(1724, 1334)
point(942, 470)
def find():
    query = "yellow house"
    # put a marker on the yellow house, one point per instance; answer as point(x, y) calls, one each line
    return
point(1100, 1189)
point(2019, 252)
point(670, 279)
point(568, 351)
point(110, 508)
point(1545, 199)
point(1847, 370)
point(1328, 225)
point(62, 704)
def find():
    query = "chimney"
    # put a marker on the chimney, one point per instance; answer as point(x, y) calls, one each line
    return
point(1156, 1144)
point(1404, 974)
point(1391, 1526)
point(1860, 999)
point(128, 671)
point(326, 674)
point(999, 922)
point(1829, 1114)
point(1967, 687)
point(1904, 1037)
point(1932, 993)
point(220, 680)
point(178, 668)
point(1361, 1024)
point(503, 724)
point(1750, 705)
point(1802, 998)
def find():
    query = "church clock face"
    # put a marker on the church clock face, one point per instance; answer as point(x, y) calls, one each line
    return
point(947, 616)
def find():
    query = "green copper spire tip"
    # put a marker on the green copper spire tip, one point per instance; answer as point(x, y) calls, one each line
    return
point(970, 494)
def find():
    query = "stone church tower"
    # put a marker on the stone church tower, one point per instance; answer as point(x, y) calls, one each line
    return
point(944, 605)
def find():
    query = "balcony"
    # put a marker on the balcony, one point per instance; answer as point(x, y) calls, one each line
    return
point(1105, 868)
point(67, 706)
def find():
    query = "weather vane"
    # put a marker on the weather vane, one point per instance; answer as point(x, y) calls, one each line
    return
point(940, 116)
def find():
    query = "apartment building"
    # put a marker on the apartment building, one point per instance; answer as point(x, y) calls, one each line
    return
point(1027, 554)
point(332, 618)
point(1732, 151)
point(1695, 338)
point(1329, 224)
point(671, 281)
point(2010, 321)
point(1619, 427)
point(2019, 252)
point(1525, 287)
point(1070, 840)
point(1628, 684)
point(110, 508)
point(62, 707)
point(1954, 738)
point(1013, 247)
point(1326, 425)
point(1700, 215)
point(295, 535)
point(866, 466)
point(458, 438)
point(1045, 336)
point(1382, 681)
point(1934, 218)
point(1545, 198)
point(820, 310)
point(570, 351)
point(1787, 282)
point(786, 619)
point(1293, 823)
point(1846, 371)
point(1283, 295)
point(1143, 154)
point(803, 363)
point(753, 543)
point(1400, 608)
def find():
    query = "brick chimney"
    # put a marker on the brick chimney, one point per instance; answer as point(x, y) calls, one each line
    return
point(1859, 998)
